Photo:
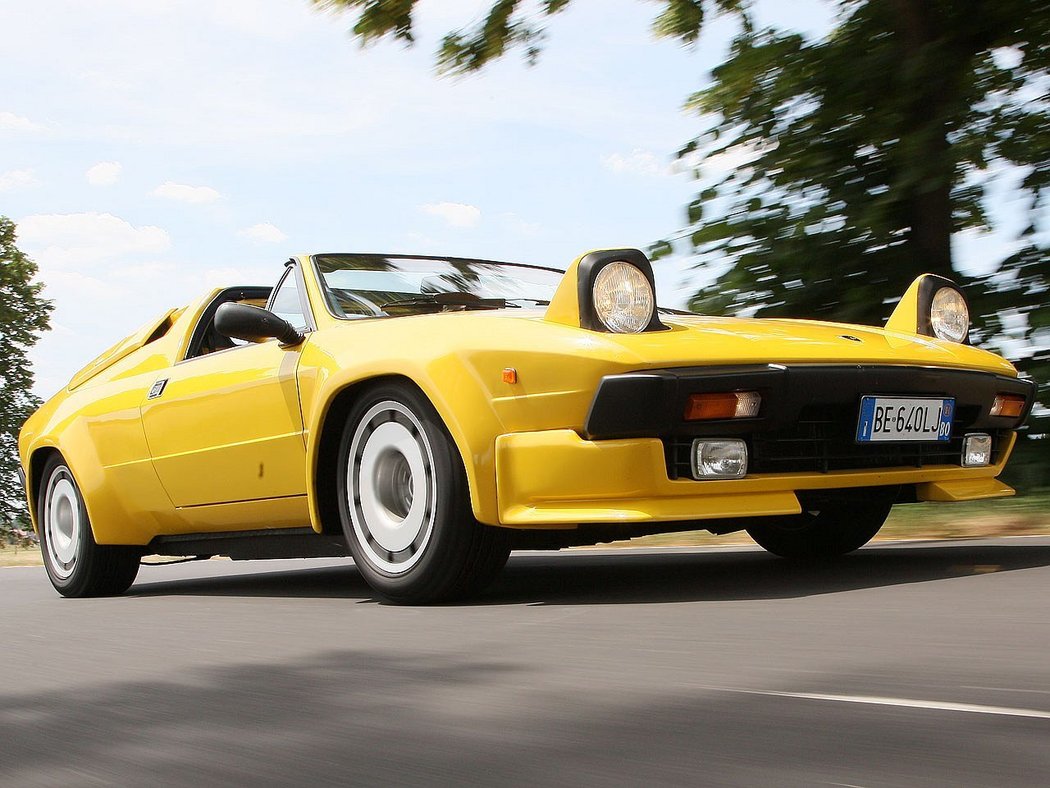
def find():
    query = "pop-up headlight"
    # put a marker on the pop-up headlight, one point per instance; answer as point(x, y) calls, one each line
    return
point(949, 315)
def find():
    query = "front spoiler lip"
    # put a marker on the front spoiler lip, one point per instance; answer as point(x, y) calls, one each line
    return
point(650, 403)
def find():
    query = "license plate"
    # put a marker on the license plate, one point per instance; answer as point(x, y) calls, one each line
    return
point(905, 419)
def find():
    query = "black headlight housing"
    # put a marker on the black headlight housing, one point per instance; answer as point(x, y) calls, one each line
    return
point(589, 268)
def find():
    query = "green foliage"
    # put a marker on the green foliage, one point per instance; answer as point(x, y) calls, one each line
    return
point(23, 316)
point(506, 26)
point(860, 154)
point(469, 50)
point(377, 18)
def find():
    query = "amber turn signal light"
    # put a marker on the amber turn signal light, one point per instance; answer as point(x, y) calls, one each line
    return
point(1010, 405)
point(722, 405)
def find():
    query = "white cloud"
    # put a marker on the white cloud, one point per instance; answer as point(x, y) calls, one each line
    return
point(263, 233)
point(516, 224)
point(9, 121)
point(68, 240)
point(456, 214)
point(72, 286)
point(105, 173)
point(637, 162)
point(184, 193)
point(15, 179)
point(719, 165)
point(139, 272)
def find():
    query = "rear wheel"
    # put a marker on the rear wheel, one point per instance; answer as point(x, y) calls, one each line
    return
point(75, 563)
point(405, 505)
point(834, 529)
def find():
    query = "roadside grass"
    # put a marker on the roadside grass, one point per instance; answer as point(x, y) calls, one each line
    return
point(22, 556)
point(1027, 515)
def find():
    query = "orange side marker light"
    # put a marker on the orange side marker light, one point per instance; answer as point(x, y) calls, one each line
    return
point(1010, 405)
point(722, 405)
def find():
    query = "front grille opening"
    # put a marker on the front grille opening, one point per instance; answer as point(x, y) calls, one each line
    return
point(824, 439)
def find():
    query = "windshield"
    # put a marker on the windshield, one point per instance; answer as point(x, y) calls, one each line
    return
point(368, 285)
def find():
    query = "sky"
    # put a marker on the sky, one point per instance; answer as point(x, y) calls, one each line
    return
point(152, 150)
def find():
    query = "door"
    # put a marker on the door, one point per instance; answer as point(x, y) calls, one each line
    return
point(224, 425)
point(227, 427)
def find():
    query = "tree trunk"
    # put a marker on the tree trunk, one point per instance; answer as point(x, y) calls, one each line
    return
point(928, 204)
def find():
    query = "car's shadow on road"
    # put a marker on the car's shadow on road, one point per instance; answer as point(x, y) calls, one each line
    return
point(626, 577)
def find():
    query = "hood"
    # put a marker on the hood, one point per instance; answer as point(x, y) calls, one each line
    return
point(702, 341)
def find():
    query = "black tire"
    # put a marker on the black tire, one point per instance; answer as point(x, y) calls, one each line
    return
point(411, 549)
point(835, 529)
point(76, 565)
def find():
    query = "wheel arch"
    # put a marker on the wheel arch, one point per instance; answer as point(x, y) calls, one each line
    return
point(324, 506)
point(323, 461)
point(37, 460)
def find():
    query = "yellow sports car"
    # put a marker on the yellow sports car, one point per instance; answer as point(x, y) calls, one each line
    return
point(429, 414)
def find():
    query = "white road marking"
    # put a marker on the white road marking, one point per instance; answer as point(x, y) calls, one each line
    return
point(1007, 689)
point(909, 703)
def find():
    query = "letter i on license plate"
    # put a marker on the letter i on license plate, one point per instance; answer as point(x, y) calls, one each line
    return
point(905, 419)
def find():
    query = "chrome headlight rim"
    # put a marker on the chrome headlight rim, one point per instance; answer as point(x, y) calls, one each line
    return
point(591, 265)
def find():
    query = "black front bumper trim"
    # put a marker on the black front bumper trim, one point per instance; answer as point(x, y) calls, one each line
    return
point(652, 403)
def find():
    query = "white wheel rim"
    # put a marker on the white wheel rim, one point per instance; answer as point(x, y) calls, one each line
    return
point(62, 522)
point(391, 487)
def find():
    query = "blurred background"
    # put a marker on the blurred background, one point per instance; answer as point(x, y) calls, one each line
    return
point(806, 158)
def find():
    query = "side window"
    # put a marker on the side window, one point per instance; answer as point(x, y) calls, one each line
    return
point(286, 302)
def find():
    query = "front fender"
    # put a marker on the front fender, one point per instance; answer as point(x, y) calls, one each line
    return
point(457, 361)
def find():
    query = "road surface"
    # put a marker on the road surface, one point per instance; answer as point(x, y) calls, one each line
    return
point(905, 664)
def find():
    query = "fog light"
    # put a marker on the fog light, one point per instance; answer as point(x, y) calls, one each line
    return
point(719, 459)
point(977, 450)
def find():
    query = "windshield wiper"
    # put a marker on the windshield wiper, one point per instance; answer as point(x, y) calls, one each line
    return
point(468, 300)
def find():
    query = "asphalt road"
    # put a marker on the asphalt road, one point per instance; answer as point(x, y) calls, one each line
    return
point(902, 665)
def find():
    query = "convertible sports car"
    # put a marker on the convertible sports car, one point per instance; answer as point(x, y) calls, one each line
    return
point(429, 414)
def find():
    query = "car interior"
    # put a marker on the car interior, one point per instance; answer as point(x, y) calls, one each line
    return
point(206, 339)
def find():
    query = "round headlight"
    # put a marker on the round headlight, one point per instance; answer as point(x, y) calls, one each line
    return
point(623, 298)
point(949, 315)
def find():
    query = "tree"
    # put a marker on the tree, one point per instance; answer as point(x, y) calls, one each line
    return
point(23, 317)
point(860, 153)
point(504, 27)
point(867, 150)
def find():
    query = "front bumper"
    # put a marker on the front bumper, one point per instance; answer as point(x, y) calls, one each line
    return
point(627, 466)
point(556, 479)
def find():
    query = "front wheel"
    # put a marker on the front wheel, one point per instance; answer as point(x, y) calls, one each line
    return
point(834, 529)
point(75, 563)
point(405, 505)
